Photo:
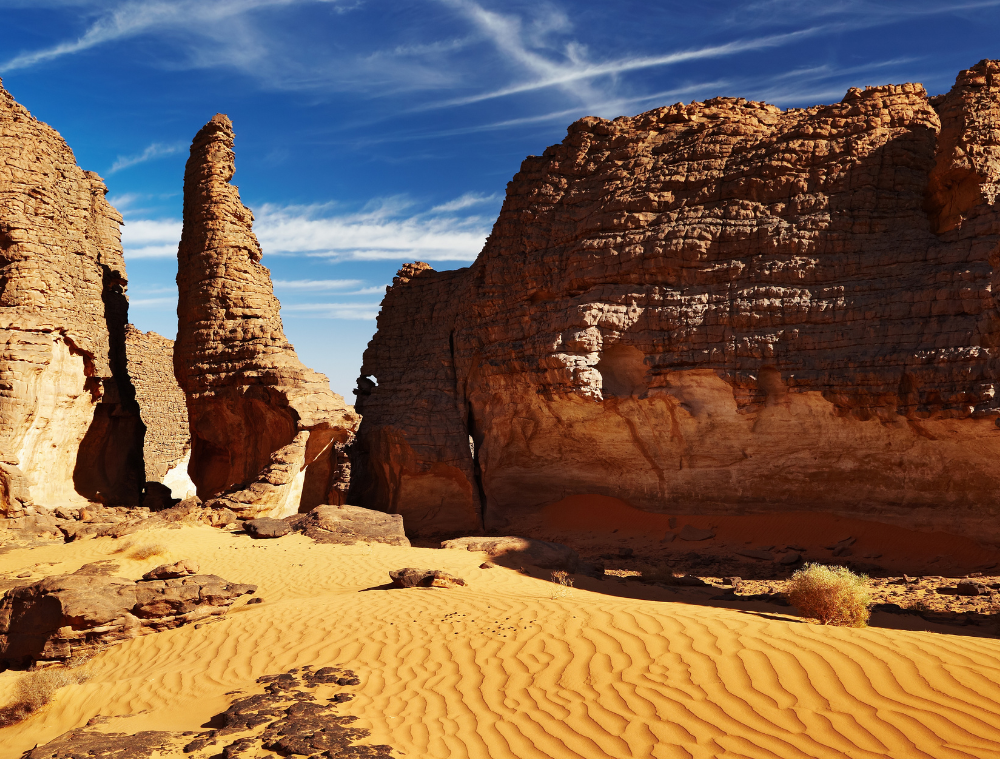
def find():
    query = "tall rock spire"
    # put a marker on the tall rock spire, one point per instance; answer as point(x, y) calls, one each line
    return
point(266, 430)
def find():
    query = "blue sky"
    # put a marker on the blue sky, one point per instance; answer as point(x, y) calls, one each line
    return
point(371, 133)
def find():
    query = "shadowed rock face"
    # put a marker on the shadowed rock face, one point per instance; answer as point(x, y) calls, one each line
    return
point(720, 307)
point(265, 429)
point(69, 422)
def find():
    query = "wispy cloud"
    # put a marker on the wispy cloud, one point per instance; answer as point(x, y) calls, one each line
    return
point(151, 238)
point(468, 200)
point(381, 232)
point(389, 229)
point(130, 19)
point(154, 151)
point(152, 302)
point(574, 70)
point(316, 284)
point(332, 310)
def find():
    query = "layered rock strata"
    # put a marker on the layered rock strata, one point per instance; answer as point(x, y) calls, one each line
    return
point(721, 307)
point(69, 423)
point(266, 431)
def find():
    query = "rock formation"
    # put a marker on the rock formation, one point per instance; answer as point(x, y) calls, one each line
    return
point(267, 433)
point(69, 423)
point(296, 715)
point(66, 616)
point(163, 408)
point(720, 307)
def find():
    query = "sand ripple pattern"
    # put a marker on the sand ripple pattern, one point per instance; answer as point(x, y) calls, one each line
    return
point(501, 669)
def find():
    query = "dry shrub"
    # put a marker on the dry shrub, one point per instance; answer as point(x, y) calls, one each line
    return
point(124, 546)
point(563, 579)
point(833, 595)
point(148, 551)
point(34, 690)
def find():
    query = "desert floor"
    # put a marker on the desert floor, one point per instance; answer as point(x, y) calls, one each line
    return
point(513, 665)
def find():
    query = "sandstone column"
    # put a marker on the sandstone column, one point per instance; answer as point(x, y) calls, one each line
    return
point(266, 431)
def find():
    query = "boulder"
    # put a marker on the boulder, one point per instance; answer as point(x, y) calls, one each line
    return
point(424, 578)
point(352, 524)
point(267, 433)
point(514, 552)
point(715, 308)
point(265, 527)
point(691, 533)
point(182, 568)
point(971, 588)
point(65, 616)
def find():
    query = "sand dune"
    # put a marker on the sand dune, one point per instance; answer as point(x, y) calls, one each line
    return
point(501, 668)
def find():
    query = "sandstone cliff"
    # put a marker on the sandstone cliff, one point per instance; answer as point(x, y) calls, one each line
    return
point(720, 307)
point(163, 408)
point(266, 431)
point(69, 423)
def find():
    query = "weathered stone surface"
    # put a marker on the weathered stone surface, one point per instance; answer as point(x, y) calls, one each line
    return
point(163, 407)
point(265, 527)
point(515, 551)
point(181, 568)
point(294, 716)
point(410, 577)
point(719, 307)
point(352, 524)
point(69, 423)
point(267, 432)
point(67, 615)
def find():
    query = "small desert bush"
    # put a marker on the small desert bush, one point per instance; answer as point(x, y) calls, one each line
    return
point(34, 690)
point(124, 546)
point(833, 595)
point(562, 579)
point(148, 551)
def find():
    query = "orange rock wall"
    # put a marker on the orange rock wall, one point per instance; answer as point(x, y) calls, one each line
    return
point(720, 307)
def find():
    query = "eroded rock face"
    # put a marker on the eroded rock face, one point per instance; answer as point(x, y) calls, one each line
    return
point(720, 307)
point(68, 615)
point(69, 423)
point(163, 408)
point(267, 433)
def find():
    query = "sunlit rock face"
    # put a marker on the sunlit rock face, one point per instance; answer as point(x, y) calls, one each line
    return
point(69, 423)
point(720, 307)
point(267, 433)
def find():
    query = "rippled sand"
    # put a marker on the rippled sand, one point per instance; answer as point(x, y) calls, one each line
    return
point(502, 668)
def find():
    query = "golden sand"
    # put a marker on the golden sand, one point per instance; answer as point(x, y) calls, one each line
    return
point(514, 666)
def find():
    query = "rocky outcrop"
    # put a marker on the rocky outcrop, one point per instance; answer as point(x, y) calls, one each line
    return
point(69, 423)
point(67, 616)
point(296, 715)
point(410, 577)
point(720, 307)
point(163, 408)
point(350, 524)
point(267, 434)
